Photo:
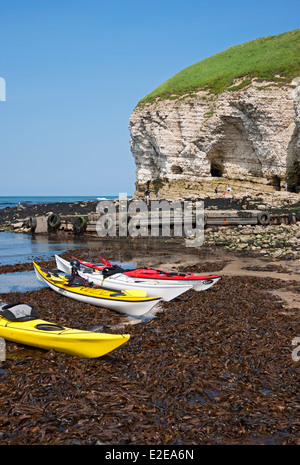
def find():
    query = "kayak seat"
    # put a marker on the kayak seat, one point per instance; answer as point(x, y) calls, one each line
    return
point(75, 281)
point(111, 270)
point(18, 312)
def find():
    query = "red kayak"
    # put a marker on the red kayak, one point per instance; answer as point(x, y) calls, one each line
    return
point(199, 283)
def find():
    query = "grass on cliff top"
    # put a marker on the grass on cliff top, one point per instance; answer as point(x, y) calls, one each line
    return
point(271, 58)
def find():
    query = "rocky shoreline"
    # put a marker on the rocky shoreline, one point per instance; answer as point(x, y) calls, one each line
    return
point(281, 241)
point(16, 218)
point(279, 202)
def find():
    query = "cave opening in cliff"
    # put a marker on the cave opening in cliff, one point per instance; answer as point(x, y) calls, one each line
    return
point(216, 169)
point(293, 177)
point(276, 181)
point(176, 169)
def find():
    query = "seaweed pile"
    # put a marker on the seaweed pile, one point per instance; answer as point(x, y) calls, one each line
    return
point(212, 367)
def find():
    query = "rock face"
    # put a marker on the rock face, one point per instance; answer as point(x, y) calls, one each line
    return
point(248, 138)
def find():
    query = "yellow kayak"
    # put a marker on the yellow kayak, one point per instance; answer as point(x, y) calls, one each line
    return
point(132, 302)
point(45, 335)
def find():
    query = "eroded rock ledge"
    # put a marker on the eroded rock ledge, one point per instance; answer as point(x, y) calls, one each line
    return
point(249, 138)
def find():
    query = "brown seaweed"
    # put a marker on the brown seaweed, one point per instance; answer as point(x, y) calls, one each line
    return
point(212, 367)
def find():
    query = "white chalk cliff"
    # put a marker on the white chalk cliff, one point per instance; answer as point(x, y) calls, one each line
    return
point(249, 137)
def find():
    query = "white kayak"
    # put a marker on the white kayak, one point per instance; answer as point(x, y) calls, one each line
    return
point(199, 283)
point(121, 281)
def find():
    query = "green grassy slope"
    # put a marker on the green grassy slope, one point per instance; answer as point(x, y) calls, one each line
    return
point(274, 58)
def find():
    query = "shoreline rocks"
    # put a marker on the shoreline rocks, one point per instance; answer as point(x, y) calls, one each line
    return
point(280, 241)
point(277, 241)
point(17, 218)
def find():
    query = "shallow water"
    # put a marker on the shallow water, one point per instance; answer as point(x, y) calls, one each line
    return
point(24, 281)
point(19, 282)
point(21, 248)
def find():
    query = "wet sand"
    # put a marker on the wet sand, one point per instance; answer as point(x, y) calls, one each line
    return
point(212, 367)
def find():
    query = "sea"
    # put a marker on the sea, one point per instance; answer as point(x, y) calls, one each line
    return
point(11, 201)
point(18, 248)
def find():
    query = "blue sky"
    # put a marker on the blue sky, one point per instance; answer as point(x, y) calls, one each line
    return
point(75, 70)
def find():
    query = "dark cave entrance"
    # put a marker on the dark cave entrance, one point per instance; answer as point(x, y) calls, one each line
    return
point(276, 182)
point(216, 169)
point(176, 169)
point(216, 173)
